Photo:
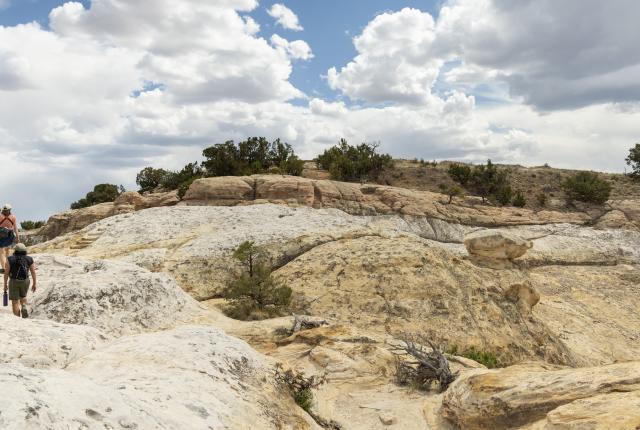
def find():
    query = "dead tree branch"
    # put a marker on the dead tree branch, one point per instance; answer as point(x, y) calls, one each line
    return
point(420, 368)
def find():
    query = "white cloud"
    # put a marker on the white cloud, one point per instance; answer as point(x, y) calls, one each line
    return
point(394, 62)
point(4, 4)
point(296, 50)
point(285, 17)
point(111, 89)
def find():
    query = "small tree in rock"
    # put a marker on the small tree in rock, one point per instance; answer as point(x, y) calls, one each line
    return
point(255, 294)
point(633, 160)
point(453, 191)
point(518, 200)
point(587, 187)
point(460, 173)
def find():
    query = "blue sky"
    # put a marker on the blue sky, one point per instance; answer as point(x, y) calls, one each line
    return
point(102, 92)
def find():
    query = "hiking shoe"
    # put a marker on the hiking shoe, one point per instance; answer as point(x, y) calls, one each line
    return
point(25, 313)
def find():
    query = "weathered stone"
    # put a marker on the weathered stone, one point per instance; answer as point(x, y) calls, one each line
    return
point(496, 249)
point(524, 295)
point(520, 395)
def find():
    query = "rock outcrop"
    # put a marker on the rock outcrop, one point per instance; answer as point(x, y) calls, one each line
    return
point(357, 199)
point(521, 395)
point(76, 219)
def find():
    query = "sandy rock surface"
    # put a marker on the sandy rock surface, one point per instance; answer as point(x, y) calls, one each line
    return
point(192, 375)
point(114, 297)
point(520, 395)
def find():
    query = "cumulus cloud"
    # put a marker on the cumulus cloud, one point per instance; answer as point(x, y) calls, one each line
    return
point(285, 17)
point(296, 50)
point(394, 62)
point(107, 90)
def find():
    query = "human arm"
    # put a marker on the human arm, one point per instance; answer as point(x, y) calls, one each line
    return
point(16, 229)
point(34, 277)
point(7, 269)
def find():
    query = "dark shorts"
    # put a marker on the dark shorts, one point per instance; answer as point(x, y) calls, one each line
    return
point(7, 241)
point(18, 289)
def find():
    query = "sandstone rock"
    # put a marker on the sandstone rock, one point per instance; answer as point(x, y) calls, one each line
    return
point(405, 285)
point(194, 375)
point(604, 412)
point(524, 295)
point(357, 199)
point(521, 395)
point(44, 344)
point(117, 298)
point(496, 245)
point(223, 191)
point(75, 219)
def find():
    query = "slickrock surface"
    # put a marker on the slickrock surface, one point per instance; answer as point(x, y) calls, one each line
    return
point(192, 376)
point(115, 297)
point(520, 395)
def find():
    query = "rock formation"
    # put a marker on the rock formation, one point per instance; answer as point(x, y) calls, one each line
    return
point(116, 319)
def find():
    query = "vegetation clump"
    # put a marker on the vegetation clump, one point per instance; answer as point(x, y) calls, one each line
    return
point(31, 225)
point(587, 187)
point(488, 359)
point(633, 160)
point(519, 200)
point(102, 193)
point(354, 163)
point(252, 156)
point(487, 181)
point(255, 294)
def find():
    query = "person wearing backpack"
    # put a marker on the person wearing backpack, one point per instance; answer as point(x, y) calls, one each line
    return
point(9, 233)
point(16, 279)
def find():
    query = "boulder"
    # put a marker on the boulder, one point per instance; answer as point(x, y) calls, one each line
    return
point(524, 295)
point(495, 248)
point(521, 395)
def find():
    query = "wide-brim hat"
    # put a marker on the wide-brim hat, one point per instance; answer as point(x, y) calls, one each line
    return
point(21, 247)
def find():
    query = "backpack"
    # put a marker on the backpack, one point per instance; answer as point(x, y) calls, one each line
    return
point(20, 267)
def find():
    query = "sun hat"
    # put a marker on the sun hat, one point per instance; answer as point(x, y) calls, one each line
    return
point(7, 207)
point(21, 247)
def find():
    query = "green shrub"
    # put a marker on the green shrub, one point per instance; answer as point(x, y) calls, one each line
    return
point(483, 357)
point(460, 173)
point(487, 359)
point(299, 386)
point(255, 294)
point(587, 187)
point(633, 160)
point(454, 191)
point(254, 155)
point(184, 187)
point(31, 225)
point(148, 179)
point(101, 193)
point(353, 163)
point(487, 180)
point(504, 195)
point(518, 200)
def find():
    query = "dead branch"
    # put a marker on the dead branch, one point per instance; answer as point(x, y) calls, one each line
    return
point(303, 322)
point(422, 368)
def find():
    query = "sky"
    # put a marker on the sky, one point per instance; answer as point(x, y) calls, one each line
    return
point(93, 91)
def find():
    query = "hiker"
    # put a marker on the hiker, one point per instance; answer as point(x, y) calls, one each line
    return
point(8, 234)
point(16, 279)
